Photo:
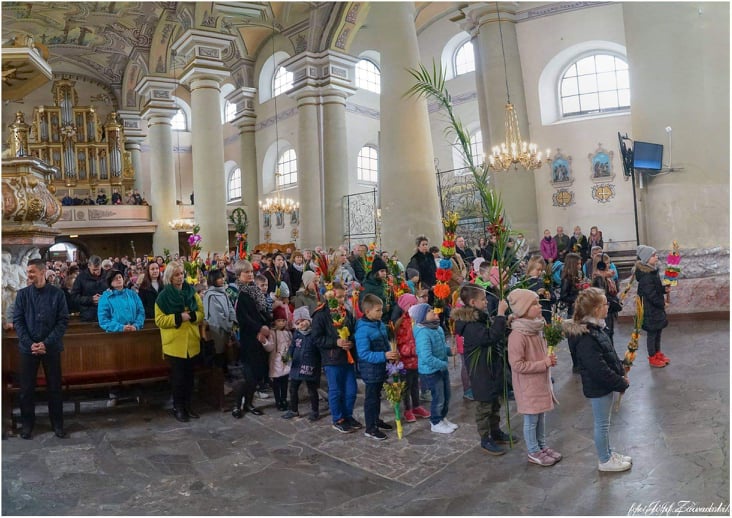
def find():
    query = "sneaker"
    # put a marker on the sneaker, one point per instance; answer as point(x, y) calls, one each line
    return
point(290, 414)
point(468, 394)
point(490, 447)
point(342, 426)
point(501, 437)
point(450, 423)
point(541, 458)
point(663, 357)
point(261, 395)
point(314, 416)
point(614, 463)
point(384, 426)
point(237, 413)
point(375, 434)
point(421, 411)
point(353, 423)
point(111, 402)
point(655, 361)
point(553, 454)
point(622, 457)
point(409, 417)
point(442, 427)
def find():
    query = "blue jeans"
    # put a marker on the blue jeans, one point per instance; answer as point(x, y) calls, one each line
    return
point(439, 385)
point(601, 408)
point(372, 404)
point(341, 390)
point(534, 434)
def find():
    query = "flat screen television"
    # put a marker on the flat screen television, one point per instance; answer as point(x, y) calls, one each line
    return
point(647, 156)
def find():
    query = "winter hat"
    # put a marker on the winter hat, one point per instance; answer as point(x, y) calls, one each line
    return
point(477, 262)
point(284, 289)
point(378, 264)
point(279, 313)
point(111, 275)
point(645, 253)
point(412, 272)
point(301, 313)
point(521, 300)
point(406, 301)
point(418, 312)
point(307, 278)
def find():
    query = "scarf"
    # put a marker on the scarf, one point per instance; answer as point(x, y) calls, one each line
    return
point(299, 267)
point(256, 294)
point(528, 326)
point(596, 321)
point(432, 324)
point(172, 300)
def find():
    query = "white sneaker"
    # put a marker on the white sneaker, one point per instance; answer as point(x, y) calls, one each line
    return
point(111, 402)
point(622, 457)
point(450, 423)
point(261, 395)
point(615, 463)
point(442, 427)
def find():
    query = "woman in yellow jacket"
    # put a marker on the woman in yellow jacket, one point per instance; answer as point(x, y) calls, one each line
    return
point(178, 310)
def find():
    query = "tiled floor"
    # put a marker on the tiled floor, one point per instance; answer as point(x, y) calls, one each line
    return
point(137, 460)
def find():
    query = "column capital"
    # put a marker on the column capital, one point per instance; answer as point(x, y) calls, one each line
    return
point(203, 54)
point(324, 69)
point(157, 93)
point(132, 124)
point(245, 117)
point(479, 14)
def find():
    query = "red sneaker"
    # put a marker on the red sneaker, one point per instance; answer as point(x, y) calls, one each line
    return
point(421, 412)
point(655, 361)
point(663, 357)
point(409, 417)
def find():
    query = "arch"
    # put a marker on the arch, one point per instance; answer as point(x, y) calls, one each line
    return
point(458, 161)
point(550, 76)
point(233, 181)
point(269, 163)
point(367, 164)
point(266, 74)
point(226, 89)
point(368, 76)
point(447, 58)
point(186, 108)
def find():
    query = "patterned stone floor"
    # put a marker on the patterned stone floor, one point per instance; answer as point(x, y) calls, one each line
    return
point(137, 460)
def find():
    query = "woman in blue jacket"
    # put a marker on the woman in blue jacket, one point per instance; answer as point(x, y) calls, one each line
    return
point(120, 309)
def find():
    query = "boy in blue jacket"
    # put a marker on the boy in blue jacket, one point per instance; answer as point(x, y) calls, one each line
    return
point(432, 353)
point(372, 345)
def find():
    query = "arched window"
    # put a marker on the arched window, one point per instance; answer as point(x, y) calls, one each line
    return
point(464, 59)
point(368, 164)
point(229, 111)
point(476, 147)
point(179, 121)
point(282, 81)
point(368, 76)
point(595, 84)
point(233, 185)
point(286, 169)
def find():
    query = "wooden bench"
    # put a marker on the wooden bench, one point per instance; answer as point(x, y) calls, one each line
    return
point(93, 358)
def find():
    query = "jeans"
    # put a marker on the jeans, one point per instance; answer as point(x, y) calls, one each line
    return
point(341, 390)
point(28, 371)
point(464, 376)
point(181, 380)
point(534, 433)
point(653, 342)
point(601, 407)
point(372, 404)
point(439, 385)
point(411, 392)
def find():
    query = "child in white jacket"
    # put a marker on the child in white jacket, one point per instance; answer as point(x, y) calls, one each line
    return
point(277, 345)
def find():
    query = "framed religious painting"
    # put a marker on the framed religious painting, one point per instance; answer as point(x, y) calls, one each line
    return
point(280, 219)
point(601, 165)
point(267, 220)
point(561, 170)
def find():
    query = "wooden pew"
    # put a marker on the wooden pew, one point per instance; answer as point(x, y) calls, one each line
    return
point(94, 358)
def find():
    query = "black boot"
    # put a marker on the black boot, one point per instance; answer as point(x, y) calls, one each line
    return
point(181, 415)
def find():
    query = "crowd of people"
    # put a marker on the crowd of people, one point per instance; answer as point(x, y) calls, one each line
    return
point(132, 197)
point(276, 320)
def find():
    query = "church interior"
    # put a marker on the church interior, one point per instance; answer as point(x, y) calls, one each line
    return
point(125, 125)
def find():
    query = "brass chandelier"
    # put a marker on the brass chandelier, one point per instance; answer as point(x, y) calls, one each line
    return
point(513, 151)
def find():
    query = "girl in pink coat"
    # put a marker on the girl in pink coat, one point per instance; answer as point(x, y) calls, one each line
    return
point(530, 364)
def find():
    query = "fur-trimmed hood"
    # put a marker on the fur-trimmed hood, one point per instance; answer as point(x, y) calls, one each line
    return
point(465, 314)
point(644, 268)
point(573, 328)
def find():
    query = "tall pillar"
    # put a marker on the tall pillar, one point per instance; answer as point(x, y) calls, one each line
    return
point(323, 83)
point(245, 121)
point(515, 187)
point(204, 72)
point(407, 183)
point(134, 136)
point(159, 109)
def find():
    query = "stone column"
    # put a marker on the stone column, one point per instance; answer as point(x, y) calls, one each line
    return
point(245, 121)
point(204, 72)
point(134, 136)
point(515, 187)
point(322, 83)
point(407, 183)
point(159, 109)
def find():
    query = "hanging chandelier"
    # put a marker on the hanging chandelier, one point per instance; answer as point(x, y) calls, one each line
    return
point(277, 203)
point(513, 151)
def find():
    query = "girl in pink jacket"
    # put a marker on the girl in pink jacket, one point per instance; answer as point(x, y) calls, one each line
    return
point(530, 364)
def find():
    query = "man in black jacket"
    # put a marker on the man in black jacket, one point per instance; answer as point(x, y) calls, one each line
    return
point(40, 318)
point(88, 288)
point(423, 261)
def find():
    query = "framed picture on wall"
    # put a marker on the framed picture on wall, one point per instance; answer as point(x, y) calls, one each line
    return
point(295, 217)
point(601, 165)
point(267, 219)
point(280, 219)
point(561, 167)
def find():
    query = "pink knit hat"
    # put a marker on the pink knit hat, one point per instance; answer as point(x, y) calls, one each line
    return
point(521, 300)
point(406, 301)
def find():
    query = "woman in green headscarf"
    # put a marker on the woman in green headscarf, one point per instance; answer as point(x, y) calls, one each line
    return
point(178, 311)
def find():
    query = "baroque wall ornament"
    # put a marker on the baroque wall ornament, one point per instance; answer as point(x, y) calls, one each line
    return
point(563, 198)
point(603, 192)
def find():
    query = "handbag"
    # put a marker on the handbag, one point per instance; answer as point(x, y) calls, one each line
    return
point(615, 306)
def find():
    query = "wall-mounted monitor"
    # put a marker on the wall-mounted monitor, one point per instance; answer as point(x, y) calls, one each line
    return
point(647, 156)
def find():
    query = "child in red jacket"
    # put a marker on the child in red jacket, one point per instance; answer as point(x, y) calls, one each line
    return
point(408, 356)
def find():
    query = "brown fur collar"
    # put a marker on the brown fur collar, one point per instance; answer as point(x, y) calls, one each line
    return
point(465, 314)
